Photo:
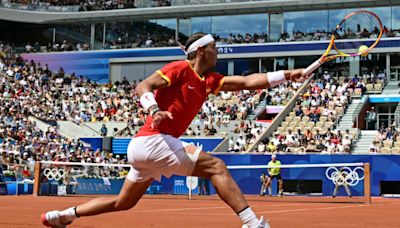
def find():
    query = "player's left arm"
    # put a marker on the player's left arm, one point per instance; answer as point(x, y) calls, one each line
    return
point(262, 80)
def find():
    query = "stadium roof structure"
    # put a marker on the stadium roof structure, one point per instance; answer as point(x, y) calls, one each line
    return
point(271, 6)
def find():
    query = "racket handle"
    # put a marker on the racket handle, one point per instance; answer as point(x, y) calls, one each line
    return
point(312, 67)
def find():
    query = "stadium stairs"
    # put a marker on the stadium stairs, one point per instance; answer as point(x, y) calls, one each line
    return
point(260, 107)
point(73, 130)
point(366, 137)
point(280, 117)
point(39, 123)
point(346, 122)
point(391, 88)
point(110, 126)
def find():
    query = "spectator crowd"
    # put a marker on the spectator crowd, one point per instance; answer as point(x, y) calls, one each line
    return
point(310, 126)
point(386, 141)
point(81, 5)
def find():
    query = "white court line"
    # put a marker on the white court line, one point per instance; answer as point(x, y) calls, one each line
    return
point(183, 209)
point(308, 209)
point(232, 214)
point(206, 208)
point(18, 208)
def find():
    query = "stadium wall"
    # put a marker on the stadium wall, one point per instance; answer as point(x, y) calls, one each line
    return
point(383, 168)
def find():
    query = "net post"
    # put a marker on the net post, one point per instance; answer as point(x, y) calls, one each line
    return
point(36, 182)
point(367, 184)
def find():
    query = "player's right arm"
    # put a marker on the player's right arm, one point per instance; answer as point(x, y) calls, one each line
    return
point(145, 91)
point(262, 80)
point(151, 83)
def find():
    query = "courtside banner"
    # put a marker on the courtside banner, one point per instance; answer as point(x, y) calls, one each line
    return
point(384, 168)
point(98, 186)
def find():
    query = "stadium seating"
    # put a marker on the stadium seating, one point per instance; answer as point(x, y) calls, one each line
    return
point(387, 141)
point(309, 127)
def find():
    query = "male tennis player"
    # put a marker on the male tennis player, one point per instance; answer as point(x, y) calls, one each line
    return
point(173, 96)
point(274, 173)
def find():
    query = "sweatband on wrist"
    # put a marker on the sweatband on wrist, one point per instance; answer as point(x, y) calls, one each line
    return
point(203, 41)
point(153, 109)
point(147, 100)
point(276, 78)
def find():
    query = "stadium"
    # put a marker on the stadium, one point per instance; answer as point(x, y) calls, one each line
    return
point(72, 74)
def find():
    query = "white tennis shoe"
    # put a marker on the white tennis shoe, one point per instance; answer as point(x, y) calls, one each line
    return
point(261, 224)
point(53, 219)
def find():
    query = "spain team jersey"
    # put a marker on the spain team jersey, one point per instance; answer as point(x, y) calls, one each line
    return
point(184, 96)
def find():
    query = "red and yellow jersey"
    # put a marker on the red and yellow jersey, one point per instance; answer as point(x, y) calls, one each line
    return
point(184, 96)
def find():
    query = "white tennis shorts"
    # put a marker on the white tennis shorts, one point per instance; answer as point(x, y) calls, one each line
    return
point(160, 155)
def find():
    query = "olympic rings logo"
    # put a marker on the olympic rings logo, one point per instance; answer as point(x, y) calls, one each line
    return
point(345, 176)
point(54, 174)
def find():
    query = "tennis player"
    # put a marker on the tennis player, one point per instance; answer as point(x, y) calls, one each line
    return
point(274, 173)
point(172, 96)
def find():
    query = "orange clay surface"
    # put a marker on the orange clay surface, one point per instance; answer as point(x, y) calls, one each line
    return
point(171, 211)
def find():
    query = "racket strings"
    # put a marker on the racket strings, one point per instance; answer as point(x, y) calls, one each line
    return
point(357, 26)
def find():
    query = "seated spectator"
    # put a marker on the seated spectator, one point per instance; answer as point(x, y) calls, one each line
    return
point(372, 149)
point(212, 130)
point(281, 147)
point(311, 146)
point(189, 132)
point(271, 147)
point(320, 147)
point(346, 142)
point(261, 148)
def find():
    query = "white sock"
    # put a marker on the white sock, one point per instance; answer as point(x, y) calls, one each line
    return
point(248, 217)
point(270, 190)
point(69, 213)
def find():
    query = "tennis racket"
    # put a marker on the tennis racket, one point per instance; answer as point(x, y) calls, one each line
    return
point(361, 24)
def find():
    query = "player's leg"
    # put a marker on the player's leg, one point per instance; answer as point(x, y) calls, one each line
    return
point(135, 185)
point(215, 169)
point(128, 197)
point(130, 194)
point(280, 183)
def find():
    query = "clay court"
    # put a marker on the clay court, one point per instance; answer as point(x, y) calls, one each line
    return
point(171, 211)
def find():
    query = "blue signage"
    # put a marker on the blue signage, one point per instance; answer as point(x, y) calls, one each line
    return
point(383, 168)
point(98, 186)
point(384, 99)
point(95, 143)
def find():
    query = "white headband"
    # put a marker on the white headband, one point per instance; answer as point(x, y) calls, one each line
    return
point(203, 41)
